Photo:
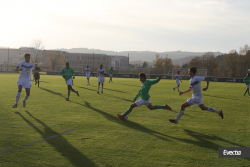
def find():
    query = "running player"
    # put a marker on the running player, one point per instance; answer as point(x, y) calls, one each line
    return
point(177, 78)
point(247, 81)
point(67, 74)
point(101, 79)
point(195, 86)
point(26, 68)
point(111, 72)
point(87, 71)
point(37, 75)
point(143, 93)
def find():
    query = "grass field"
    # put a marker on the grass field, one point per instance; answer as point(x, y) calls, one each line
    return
point(86, 131)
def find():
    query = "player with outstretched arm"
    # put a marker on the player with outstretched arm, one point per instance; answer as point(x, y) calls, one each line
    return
point(195, 86)
point(143, 93)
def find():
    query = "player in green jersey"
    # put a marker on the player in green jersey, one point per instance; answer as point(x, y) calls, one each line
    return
point(143, 93)
point(67, 73)
point(111, 72)
point(247, 81)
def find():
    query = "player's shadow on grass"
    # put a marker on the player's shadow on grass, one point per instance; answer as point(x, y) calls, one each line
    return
point(50, 91)
point(221, 97)
point(100, 87)
point(60, 144)
point(129, 124)
point(206, 141)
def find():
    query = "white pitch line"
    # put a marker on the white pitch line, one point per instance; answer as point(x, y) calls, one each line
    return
point(30, 144)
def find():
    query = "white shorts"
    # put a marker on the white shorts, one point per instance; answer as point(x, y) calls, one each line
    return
point(195, 100)
point(24, 82)
point(111, 75)
point(143, 102)
point(69, 82)
point(101, 79)
point(247, 86)
point(177, 82)
point(88, 76)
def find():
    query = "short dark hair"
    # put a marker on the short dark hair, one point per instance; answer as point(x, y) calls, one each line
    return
point(67, 63)
point(193, 69)
point(178, 71)
point(142, 75)
point(100, 64)
point(26, 54)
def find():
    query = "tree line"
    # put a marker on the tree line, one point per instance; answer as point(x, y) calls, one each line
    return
point(233, 64)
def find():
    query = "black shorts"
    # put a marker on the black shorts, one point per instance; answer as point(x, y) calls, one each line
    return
point(37, 76)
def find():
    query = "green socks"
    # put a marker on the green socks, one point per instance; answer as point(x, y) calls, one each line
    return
point(68, 93)
point(158, 107)
point(127, 112)
point(74, 90)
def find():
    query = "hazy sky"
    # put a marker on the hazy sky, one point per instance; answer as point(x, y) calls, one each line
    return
point(127, 25)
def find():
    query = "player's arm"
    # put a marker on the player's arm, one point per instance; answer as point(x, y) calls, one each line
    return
point(156, 80)
point(73, 73)
point(18, 67)
point(137, 96)
point(62, 73)
point(33, 69)
point(104, 72)
point(188, 91)
point(244, 80)
point(207, 81)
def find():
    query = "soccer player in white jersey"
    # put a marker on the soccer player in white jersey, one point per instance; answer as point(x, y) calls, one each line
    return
point(195, 86)
point(87, 71)
point(101, 79)
point(177, 78)
point(26, 68)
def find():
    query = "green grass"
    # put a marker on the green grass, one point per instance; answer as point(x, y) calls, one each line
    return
point(102, 139)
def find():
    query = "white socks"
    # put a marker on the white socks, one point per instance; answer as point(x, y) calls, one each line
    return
point(179, 115)
point(18, 97)
point(98, 88)
point(212, 110)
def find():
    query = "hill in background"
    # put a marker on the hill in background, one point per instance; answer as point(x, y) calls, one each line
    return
point(179, 57)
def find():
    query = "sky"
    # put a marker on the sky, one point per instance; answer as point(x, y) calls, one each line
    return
point(127, 25)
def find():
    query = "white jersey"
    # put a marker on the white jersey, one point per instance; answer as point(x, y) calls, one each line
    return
point(177, 77)
point(103, 71)
point(195, 85)
point(27, 69)
point(87, 71)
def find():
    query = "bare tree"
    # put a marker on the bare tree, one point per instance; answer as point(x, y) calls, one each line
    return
point(37, 51)
point(56, 58)
point(244, 50)
point(162, 65)
point(211, 64)
point(231, 63)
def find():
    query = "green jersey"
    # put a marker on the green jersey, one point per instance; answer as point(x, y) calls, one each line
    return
point(67, 73)
point(246, 80)
point(143, 93)
point(111, 71)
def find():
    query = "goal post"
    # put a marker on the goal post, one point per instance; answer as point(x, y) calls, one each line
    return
point(184, 72)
